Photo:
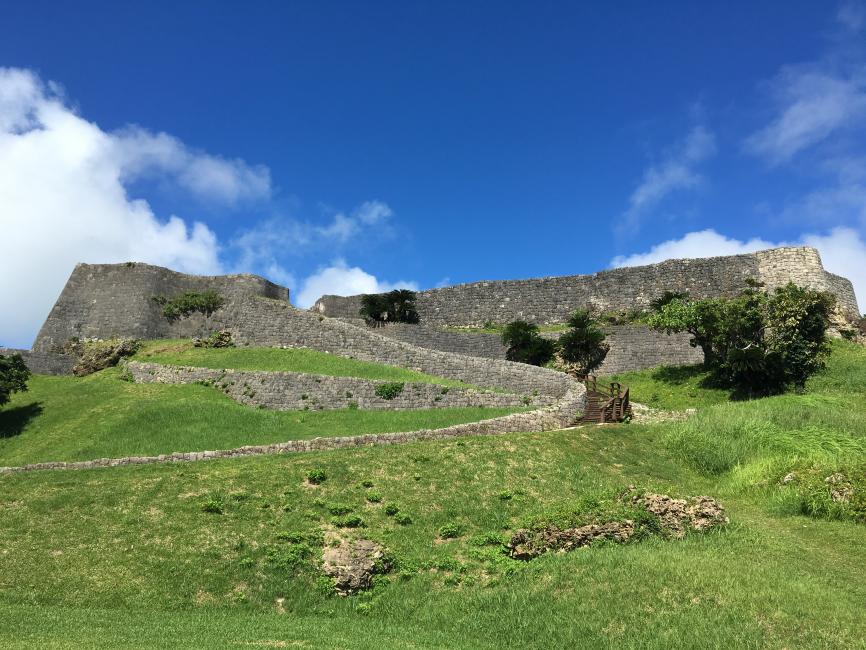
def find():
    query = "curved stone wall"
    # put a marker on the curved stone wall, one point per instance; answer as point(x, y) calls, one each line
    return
point(263, 322)
point(108, 300)
point(551, 300)
point(286, 391)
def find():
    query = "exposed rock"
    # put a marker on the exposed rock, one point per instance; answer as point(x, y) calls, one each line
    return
point(99, 355)
point(790, 477)
point(352, 565)
point(221, 339)
point(527, 544)
point(677, 516)
point(841, 489)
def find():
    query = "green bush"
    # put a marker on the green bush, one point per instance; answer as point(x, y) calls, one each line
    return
point(583, 344)
point(13, 376)
point(392, 509)
point(349, 521)
point(396, 306)
point(756, 343)
point(389, 390)
point(403, 519)
point(316, 476)
point(450, 531)
point(206, 302)
point(374, 497)
point(525, 344)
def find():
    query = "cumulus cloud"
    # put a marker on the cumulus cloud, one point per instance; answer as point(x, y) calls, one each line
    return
point(812, 104)
point(64, 199)
point(677, 171)
point(339, 279)
point(842, 251)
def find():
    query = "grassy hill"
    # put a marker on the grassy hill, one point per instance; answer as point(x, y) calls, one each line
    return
point(223, 553)
point(100, 416)
point(183, 353)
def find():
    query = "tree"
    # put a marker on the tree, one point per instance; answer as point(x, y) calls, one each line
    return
point(396, 306)
point(13, 376)
point(583, 344)
point(756, 343)
point(525, 345)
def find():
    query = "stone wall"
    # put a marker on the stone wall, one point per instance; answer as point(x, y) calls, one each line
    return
point(108, 300)
point(487, 346)
point(297, 391)
point(557, 416)
point(551, 300)
point(44, 363)
point(264, 322)
point(636, 347)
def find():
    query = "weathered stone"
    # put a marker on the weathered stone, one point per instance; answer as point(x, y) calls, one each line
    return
point(352, 565)
point(677, 516)
point(841, 489)
point(526, 544)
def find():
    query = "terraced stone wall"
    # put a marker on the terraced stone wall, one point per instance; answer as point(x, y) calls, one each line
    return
point(298, 391)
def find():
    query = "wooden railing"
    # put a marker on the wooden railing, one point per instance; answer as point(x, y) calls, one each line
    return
point(609, 403)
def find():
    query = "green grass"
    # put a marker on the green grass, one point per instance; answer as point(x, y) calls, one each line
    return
point(182, 353)
point(128, 557)
point(671, 388)
point(70, 418)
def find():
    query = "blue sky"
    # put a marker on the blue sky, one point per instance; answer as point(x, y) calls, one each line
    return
point(349, 147)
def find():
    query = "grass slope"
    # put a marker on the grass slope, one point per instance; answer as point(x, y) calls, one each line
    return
point(99, 416)
point(182, 353)
point(128, 557)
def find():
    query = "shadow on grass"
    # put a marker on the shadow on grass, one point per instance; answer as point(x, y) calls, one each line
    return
point(13, 421)
point(679, 375)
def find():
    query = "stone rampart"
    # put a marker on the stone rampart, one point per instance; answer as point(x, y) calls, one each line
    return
point(298, 391)
point(551, 300)
point(264, 322)
point(108, 300)
point(44, 363)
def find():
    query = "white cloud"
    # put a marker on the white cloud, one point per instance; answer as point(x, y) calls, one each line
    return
point(813, 103)
point(843, 252)
point(63, 199)
point(852, 15)
point(341, 280)
point(677, 171)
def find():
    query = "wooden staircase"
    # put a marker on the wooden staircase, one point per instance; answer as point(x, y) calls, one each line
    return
point(605, 404)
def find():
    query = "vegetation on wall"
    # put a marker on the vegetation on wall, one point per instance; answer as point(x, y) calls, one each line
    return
point(396, 306)
point(206, 302)
point(13, 376)
point(756, 343)
point(526, 345)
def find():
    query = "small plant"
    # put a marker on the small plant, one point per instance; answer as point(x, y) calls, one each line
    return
point(214, 505)
point(403, 519)
point(367, 483)
point(352, 406)
point(389, 390)
point(374, 497)
point(339, 508)
point(450, 531)
point(392, 509)
point(349, 521)
point(317, 476)
point(505, 495)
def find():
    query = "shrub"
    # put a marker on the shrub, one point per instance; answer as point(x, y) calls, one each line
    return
point(392, 509)
point(403, 519)
point(13, 376)
point(525, 344)
point(349, 521)
point(367, 483)
point(339, 508)
point(450, 531)
point(756, 343)
point(396, 306)
point(206, 303)
point(374, 497)
point(221, 339)
point(316, 476)
point(389, 390)
point(583, 344)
